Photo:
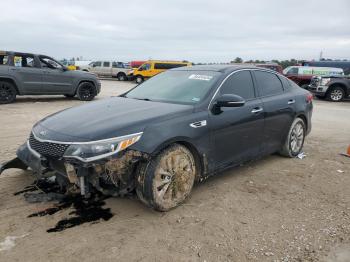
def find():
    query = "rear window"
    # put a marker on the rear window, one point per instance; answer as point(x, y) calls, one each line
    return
point(4, 59)
point(269, 83)
point(24, 60)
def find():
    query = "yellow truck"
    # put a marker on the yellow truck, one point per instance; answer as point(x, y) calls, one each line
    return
point(152, 68)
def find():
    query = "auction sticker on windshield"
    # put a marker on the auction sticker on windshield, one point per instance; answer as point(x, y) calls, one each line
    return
point(200, 77)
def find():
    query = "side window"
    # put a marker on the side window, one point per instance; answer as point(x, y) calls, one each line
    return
point(146, 67)
point(98, 63)
point(269, 83)
point(47, 62)
point(293, 71)
point(23, 60)
point(240, 84)
point(114, 64)
point(286, 82)
point(106, 64)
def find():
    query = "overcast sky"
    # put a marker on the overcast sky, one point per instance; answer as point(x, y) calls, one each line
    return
point(194, 30)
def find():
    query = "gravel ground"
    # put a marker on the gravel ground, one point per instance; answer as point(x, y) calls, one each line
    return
point(273, 209)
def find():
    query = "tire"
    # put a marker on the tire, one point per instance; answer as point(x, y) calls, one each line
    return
point(86, 91)
point(167, 179)
point(8, 92)
point(295, 140)
point(121, 77)
point(139, 79)
point(336, 94)
point(69, 96)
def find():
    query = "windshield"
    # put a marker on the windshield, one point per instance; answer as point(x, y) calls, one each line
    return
point(184, 87)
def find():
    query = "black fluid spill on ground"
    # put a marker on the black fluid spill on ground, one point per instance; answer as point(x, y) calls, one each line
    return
point(85, 210)
point(44, 185)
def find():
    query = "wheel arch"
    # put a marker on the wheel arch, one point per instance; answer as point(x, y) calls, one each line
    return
point(84, 81)
point(200, 159)
point(341, 85)
point(10, 80)
point(304, 118)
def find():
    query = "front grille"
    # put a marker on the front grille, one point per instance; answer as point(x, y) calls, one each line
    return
point(314, 81)
point(46, 148)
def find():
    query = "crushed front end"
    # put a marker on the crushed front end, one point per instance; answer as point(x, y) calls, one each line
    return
point(107, 165)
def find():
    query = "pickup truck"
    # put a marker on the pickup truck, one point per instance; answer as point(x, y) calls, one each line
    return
point(334, 88)
point(109, 69)
point(302, 75)
point(30, 74)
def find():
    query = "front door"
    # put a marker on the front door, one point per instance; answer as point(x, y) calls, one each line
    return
point(238, 131)
point(56, 80)
point(26, 70)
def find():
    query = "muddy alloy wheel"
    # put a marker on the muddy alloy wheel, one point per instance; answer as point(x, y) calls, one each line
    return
point(7, 93)
point(86, 91)
point(167, 180)
point(336, 94)
point(295, 139)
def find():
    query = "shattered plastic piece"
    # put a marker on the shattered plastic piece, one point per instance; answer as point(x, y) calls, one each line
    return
point(301, 155)
point(340, 171)
point(9, 242)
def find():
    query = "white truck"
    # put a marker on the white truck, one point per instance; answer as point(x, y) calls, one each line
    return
point(108, 69)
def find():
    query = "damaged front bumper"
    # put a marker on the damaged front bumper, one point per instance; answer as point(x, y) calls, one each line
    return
point(114, 175)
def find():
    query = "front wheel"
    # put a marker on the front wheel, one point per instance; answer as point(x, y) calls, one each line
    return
point(336, 94)
point(7, 92)
point(139, 79)
point(295, 140)
point(166, 180)
point(86, 91)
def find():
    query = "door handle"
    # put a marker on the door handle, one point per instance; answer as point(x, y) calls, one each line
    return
point(257, 110)
point(290, 102)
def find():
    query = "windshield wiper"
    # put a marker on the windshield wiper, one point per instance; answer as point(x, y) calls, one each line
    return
point(144, 99)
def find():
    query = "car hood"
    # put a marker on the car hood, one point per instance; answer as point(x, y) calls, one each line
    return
point(106, 118)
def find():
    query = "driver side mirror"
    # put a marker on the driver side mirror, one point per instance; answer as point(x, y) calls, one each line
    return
point(227, 100)
point(64, 68)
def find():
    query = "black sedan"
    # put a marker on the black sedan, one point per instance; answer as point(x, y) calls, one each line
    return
point(173, 130)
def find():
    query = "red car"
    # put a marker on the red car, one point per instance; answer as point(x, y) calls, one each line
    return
point(136, 64)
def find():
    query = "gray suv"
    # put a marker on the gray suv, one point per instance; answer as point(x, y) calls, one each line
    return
point(29, 74)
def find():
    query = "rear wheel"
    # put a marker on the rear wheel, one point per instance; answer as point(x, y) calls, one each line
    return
point(121, 77)
point(295, 140)
point(7, 92)
point(166, 180)
point(336, 94)
point(86, 91)
point(139, 79)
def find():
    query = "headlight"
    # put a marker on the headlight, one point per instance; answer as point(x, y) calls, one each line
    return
point(325, 81)
point(95, 150)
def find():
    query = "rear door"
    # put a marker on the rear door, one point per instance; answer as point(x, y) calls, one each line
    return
point(278, 107)
point(106, 69)
point(56, 80)
point(26, 70)
point(237, 131)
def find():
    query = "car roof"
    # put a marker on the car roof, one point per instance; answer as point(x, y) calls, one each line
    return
point(218, 68)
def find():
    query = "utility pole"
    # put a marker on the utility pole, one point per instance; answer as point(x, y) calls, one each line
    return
point(321, 55)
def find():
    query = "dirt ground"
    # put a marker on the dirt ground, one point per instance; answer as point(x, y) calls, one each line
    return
point(274, 209)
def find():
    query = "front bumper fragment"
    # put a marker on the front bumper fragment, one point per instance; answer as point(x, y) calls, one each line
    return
point(318, 90)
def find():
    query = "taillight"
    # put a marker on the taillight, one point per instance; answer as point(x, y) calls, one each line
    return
point(309, 97)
